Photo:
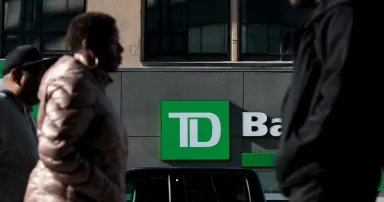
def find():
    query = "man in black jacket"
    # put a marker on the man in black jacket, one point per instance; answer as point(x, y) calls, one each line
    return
point(332, 143)
point(22, 70)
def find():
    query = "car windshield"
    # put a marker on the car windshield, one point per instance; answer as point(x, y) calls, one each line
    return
point(188, 187)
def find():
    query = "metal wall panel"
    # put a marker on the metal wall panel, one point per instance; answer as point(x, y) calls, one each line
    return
point(137, 95)
point(114, 90)
point(264, 91)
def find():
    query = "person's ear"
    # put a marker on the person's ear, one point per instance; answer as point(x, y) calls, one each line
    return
point(85, 47)
point(16, 76)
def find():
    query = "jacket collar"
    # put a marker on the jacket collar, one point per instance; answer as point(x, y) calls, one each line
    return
point(319, 9)
point(100, 75)
point(20, 104)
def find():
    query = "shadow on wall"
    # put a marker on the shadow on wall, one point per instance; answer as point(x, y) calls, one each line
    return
point(238, 144)
point(254, 144)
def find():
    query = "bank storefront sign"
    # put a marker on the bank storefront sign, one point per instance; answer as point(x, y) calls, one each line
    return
point(195, 130)
point(199, 130)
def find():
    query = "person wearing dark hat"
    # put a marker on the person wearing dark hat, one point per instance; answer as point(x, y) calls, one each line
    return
point(22, 71)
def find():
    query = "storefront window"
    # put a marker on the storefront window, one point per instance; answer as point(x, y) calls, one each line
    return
point(265, 28)
point(57, 14)
point(39, 22)
point(19, 23)
point(178, 30)
point(198, 30)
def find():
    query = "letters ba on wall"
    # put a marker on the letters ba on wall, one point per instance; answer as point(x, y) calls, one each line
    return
point(199, 130)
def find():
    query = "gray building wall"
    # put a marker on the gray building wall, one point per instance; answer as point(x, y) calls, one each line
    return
point(137, 93)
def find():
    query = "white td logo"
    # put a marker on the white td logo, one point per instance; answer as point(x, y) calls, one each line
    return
point(191, 119)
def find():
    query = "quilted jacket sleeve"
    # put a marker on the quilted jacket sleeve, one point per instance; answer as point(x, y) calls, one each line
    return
point(69, 110)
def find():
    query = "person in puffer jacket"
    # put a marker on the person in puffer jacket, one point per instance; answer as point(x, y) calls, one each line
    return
point(82, 141)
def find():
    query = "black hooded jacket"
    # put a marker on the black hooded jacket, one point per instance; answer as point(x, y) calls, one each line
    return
point(332, 113)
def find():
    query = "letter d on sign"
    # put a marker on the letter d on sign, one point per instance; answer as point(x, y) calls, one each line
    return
point(190, 120)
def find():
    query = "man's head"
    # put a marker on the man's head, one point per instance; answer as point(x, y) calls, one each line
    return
point(95, 35)
point(23, 70)
point(304, 3)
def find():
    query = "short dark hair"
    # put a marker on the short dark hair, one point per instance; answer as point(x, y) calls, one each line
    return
point(93, 26)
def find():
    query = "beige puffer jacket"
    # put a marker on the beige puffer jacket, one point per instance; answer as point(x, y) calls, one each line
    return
point(82, 141)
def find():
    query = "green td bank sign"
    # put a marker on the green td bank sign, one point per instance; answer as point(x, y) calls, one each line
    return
point(194, 130)
point(199, 130)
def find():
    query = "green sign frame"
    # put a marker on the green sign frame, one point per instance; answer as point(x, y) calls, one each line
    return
point(195, 130)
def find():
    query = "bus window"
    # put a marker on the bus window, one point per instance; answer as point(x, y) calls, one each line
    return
point(178, 192)
point(129, 192)
point(145, 189)
point(199, 187)
point(231, 187)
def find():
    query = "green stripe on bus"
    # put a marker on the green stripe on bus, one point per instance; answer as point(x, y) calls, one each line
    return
point(267, 160)
point(259, 160)
point(1, 68)
point(381, 185)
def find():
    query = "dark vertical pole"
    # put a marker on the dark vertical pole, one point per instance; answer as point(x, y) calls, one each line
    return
point(39, 24)
point(2, 35)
